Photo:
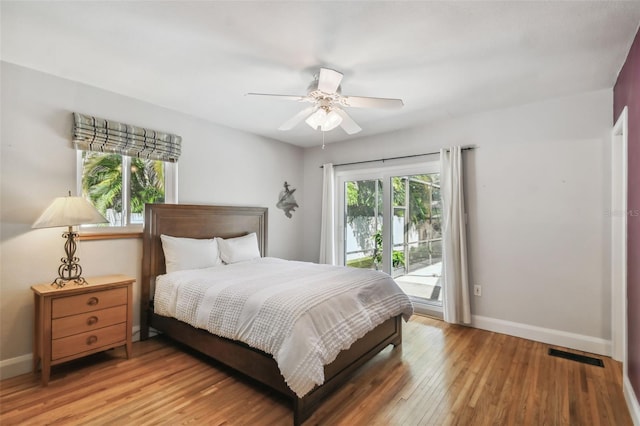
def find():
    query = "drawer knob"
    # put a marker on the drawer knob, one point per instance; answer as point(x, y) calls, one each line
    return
point(91, 340)
point(92, 301)
point(92, 320)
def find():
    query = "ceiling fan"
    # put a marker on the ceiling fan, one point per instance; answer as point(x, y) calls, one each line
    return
point(327, 109)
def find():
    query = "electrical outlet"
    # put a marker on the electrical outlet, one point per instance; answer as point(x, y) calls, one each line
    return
point(477, 290)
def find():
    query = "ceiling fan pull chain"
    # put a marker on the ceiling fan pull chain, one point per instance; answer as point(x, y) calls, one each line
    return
point(322, 140)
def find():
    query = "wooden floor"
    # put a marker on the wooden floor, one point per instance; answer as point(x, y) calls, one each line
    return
point(442, 375)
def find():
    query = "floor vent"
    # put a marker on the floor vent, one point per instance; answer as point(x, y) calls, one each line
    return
point(576, 357)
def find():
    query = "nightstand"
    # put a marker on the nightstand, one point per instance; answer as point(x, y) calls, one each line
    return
point(79, 320)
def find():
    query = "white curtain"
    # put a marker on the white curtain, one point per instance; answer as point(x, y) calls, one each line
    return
point(455, 275)
point(327, 229)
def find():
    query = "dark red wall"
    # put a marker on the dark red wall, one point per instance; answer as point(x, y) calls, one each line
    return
point(626, 92)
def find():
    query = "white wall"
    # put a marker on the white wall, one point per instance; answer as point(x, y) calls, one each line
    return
point(537, 192)
point(218, 165)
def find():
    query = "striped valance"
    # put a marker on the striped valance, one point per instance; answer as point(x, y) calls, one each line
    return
point(97, 134)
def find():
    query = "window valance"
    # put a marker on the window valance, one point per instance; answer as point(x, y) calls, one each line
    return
point(97, 134)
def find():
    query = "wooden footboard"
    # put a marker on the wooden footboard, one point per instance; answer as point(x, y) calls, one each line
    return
point(338, 372)
point(261, 366)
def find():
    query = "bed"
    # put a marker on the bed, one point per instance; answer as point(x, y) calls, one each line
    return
point(200, 222)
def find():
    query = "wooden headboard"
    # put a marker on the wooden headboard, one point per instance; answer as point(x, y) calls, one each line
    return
point(191, 221)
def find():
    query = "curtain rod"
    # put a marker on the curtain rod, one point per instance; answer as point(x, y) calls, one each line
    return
point(464, 148)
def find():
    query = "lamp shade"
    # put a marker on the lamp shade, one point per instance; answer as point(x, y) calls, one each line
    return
point(69, 211)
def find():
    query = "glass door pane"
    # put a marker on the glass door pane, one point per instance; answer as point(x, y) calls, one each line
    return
point(363, 224)
point(416, 236)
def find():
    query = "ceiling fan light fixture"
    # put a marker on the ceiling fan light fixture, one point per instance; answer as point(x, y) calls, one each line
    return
point(324, 119)
point(317, 119)
point(331, 121)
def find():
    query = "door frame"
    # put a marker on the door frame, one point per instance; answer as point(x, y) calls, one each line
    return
point(618, 216)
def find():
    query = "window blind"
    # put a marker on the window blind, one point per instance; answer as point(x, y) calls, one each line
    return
point(97, 134)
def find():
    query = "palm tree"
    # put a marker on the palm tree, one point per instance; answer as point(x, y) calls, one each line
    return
point(147, 183)
point(102, 182)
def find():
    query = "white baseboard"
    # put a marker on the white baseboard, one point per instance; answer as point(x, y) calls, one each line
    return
point(545, 335)
point(15, 366)
point(22, 364)
point(632, 401)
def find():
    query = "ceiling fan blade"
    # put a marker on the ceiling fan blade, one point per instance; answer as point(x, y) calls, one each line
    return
point(283, 97)
point(348, 125)
point(329, 80)
point(364, 102)
point(293, 121)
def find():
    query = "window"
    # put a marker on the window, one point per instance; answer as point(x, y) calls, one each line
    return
point(119, 186)
point(390, 219)
point(122, 167)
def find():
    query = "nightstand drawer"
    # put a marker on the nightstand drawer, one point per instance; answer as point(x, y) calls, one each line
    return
point(87, 302)
point(87, 321)
point(88, 341)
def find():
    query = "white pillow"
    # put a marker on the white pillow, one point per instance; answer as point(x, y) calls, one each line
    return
point(189, 253)
point(234, 250)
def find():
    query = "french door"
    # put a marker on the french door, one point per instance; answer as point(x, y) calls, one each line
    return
point(390, 219)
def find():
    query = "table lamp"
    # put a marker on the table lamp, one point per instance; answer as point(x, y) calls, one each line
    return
point(69, 211)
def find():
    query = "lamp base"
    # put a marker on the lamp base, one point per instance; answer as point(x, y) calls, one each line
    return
point(60, 282)
point(70, 270)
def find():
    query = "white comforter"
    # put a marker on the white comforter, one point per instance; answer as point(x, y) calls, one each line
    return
point(302, 313)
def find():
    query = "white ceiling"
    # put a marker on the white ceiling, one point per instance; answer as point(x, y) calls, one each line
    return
point(442, 58)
